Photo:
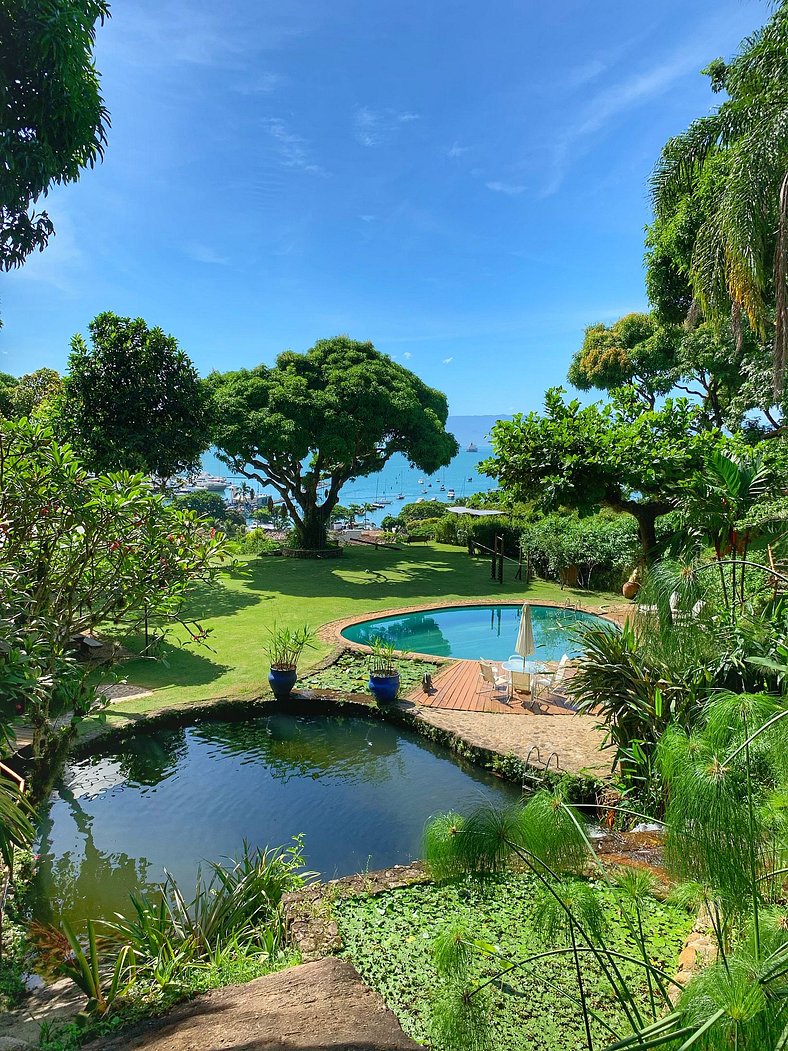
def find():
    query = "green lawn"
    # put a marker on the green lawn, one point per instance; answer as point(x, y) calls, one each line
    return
point(294, 592)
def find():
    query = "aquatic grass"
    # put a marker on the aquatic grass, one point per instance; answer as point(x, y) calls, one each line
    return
point(237, 903)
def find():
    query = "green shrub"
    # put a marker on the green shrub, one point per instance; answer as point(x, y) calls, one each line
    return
point(448, 530)
point(258, 542)
point(484, 531)
point(425, 509)
point(604, 547)
point(423, 529)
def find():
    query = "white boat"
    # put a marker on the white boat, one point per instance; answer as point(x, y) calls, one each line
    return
point(401, 496)
point(471, 448)
point(450, 494)
point(212, 482)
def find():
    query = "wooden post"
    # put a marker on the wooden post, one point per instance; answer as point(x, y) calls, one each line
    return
point(494, 559)
point(519, 574)
point(500, 560)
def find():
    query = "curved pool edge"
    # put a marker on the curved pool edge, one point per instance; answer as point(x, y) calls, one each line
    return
point(331, 633)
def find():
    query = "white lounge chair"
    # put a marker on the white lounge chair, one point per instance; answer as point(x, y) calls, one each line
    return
point(494, 681)
point(553, 683)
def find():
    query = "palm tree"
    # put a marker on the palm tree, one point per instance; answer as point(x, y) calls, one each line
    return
point(739, 263)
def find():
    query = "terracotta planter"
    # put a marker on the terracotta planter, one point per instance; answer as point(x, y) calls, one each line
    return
point(630, 589)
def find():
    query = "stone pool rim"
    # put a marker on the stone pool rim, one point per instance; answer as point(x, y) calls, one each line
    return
point(332, 632)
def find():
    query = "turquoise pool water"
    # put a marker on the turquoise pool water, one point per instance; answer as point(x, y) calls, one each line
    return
point(472, 632)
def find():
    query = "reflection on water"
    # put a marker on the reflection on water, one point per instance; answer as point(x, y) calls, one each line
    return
point(359, 790)
point(471, 632)
point(405, 633)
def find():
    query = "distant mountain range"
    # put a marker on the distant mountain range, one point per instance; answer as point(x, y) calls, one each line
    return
point(474, 429)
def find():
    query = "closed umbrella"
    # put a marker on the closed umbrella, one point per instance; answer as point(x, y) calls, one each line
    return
point(525, 636)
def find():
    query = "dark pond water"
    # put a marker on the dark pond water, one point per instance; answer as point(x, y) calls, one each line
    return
point(360, 791)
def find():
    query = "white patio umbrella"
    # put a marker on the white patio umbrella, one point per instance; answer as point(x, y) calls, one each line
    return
point(525, 635)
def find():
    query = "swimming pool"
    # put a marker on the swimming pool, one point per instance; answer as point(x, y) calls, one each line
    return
point(472, 632)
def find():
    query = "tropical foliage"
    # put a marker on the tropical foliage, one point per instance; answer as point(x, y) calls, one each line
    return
point(729, 172)
point(80, 552)
point(612, 455)
point(133, 400)
point(53, 121)
point(166, 938)
point(725, 844)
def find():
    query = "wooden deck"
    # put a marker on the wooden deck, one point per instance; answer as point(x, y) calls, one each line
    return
point(459, 688)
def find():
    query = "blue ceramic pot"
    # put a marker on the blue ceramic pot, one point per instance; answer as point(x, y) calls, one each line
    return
point(282, 683)
point(384, 688)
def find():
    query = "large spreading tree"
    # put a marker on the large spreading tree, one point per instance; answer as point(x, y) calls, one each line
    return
point(53, 122)
point(133, 400)
point(316, 420)
point(602, 455)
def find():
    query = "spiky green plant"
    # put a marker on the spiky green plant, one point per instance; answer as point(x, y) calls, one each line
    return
point(727, 787)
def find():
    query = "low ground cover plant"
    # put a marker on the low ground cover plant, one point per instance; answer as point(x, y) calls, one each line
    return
point(390, 939)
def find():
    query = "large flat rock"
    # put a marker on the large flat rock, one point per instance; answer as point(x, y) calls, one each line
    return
point(317, 1006)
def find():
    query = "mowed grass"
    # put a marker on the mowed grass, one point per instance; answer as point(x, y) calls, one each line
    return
point(294, 592)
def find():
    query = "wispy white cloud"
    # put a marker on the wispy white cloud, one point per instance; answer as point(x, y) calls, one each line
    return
point(166, 33)
point(62, 264)
point(407, 355)
point(373, 127)
point(293, 150)
point(260, 83)
point(510, 188)
point(448, 361)
point(456, 150)
point(619, 98)
point(367, 218)
point(203, 253)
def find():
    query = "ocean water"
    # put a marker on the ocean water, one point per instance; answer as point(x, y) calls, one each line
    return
point(396, 478)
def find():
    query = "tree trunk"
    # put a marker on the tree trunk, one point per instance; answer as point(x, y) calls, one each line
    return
point(646, 518)
point(312, 532)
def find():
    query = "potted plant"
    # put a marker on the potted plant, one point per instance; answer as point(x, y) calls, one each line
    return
point(383, 675)
point(285, 646)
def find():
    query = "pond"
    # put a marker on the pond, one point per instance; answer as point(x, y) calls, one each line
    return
point(471, 632)
point(359, 790)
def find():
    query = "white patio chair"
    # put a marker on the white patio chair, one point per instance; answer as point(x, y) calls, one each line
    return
point(494, 681)
point(522, 684)
point(552, 683)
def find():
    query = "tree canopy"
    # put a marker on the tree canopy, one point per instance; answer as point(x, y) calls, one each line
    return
point(53, 122)
point(318, 419)
point(601, 455)
point(729, 377)
point(720, 194)
point(133, 400)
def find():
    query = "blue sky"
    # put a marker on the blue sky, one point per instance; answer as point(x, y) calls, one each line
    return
point(464, 184)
